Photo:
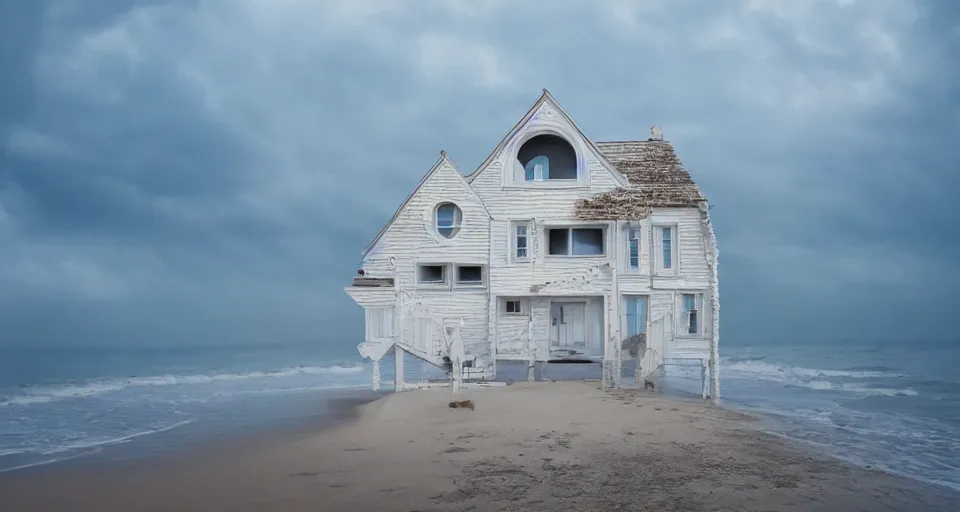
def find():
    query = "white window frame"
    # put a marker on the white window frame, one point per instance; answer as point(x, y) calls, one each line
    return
point(482, 283)
point(433, 284)
point(516, 177)
point(514, 238)
point(683, 318)
point(657, 233)
point(457, 220)
point(546, 240)
point(634, 234)
point(521, 303)
point(624, 299)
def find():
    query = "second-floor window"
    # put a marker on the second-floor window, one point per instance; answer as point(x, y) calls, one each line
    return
point(665, 246)
point(521, 241)
point(633, 250)
point(575, 241)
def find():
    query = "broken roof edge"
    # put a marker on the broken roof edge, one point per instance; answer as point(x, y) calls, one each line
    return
point(444, 158)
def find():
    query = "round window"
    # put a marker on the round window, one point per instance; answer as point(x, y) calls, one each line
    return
point(447, 219)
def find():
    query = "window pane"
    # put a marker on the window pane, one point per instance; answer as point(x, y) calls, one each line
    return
point(631, 311)
point(692, 329)
point(448, 220)
point(667, 248)
point(431, 274)
point(471, 274)
point(634, 254)
point(445, 214)
point(636, 313)
point(558, 241)
point(521, 252)
point(689, 301)
point(521, 230)
point(587, 241)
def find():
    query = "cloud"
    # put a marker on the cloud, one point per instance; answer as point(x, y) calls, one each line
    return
point(223, 162)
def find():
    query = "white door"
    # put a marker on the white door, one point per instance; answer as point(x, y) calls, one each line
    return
point(568, 324)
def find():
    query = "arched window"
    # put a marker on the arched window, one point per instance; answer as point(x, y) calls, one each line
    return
point(448, 219)
point(547, 157)
point(538, 168)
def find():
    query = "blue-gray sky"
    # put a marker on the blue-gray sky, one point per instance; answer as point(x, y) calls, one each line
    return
point(207, 171)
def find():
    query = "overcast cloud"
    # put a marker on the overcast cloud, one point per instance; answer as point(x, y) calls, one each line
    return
point(207, 171)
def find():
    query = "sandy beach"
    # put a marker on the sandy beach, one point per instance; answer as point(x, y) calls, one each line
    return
point(545, 446)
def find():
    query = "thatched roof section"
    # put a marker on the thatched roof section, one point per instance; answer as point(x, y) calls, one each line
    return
point(657, 179)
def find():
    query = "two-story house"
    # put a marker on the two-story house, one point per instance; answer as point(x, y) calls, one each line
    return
point(556, 247)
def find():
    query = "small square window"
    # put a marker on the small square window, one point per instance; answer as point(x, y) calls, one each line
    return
point(432, 274)
point(513, 306)
point(470, 274)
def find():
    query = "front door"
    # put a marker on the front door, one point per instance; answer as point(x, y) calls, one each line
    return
point(568, 324)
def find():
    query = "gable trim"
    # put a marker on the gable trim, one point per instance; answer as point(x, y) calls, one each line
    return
point(444, 159)
point(545, 97)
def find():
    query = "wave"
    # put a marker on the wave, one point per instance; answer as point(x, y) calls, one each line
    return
point(863, 381)
point(101, 386)
point(756, 368)
point(51, 461)
point(114, 440)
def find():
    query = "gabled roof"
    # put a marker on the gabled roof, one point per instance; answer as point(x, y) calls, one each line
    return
point(444, 159)
point(656, 177)
point(544, 98)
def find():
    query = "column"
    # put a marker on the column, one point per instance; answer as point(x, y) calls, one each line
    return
point(398, 354)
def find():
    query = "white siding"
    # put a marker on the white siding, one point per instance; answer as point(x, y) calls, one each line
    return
point(490, 204)
point(412, 239)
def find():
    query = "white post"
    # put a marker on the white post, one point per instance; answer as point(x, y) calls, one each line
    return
point(398, 368)
point(376, 374)
point(703, 379)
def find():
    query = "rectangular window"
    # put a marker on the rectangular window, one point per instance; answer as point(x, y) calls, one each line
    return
point(432, 274)
point(633, 245)
point(513, 307)
point(520, 242)
point(575, 241)
point(692, 316)
point(635, 311)
point(469, 274)
point(667, 247)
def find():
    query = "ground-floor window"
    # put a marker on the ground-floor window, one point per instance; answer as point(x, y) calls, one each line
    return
point(691, 314)
point(635, 312)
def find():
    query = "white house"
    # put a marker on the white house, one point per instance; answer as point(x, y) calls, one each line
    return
point(555, 247)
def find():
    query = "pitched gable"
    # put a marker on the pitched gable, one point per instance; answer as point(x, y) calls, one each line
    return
point(546, 110)
point(442, 183)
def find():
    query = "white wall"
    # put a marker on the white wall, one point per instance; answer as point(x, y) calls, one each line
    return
point(412, 239)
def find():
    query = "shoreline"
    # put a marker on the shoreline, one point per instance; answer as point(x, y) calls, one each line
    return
point(340, 406)
point(547, 444)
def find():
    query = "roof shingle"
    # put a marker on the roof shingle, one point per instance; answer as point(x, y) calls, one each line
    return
point(657, 179)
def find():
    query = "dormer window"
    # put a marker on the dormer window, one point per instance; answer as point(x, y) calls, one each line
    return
point(447, 220)
point(537, 169)
point(547, 158)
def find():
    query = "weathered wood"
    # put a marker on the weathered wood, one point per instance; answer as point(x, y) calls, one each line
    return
point(618, 187)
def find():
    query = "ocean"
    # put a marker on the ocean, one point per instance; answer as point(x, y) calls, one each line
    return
point(892, 406)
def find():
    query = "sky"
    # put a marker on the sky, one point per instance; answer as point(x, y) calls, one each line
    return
point(207, 172)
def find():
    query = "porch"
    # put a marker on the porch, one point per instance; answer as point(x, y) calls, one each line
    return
point(556, 329)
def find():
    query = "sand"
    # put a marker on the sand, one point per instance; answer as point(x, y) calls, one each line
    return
point(553, 446)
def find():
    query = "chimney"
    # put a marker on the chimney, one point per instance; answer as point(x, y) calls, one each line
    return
point(655, 133)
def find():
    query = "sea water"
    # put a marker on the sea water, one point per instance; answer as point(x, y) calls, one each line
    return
point(892, 406)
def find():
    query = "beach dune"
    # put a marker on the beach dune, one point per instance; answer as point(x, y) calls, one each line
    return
point(545, 446)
